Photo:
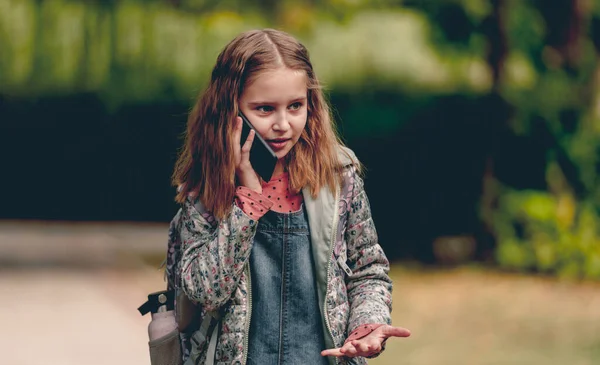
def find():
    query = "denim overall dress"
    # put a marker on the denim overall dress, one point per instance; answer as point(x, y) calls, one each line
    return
point(285, 326)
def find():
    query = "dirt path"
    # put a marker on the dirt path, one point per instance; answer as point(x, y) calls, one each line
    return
point(68, 317)
point(472, 317)
point(60, 304)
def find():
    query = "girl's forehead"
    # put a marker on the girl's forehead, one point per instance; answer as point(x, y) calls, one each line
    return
point(277, 84)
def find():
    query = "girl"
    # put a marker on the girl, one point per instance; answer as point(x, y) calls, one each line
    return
point(292, 266)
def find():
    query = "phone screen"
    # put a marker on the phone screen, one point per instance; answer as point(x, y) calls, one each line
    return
point(262, 157)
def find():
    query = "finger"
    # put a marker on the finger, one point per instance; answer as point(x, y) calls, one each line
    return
point(346, 347)
point(247, 146)
point(368, 346)
point(362, 347)
point(349, 350)
point(375, 345)
point(332, 352)
point(389, 331)
point(237, 136)
point(237, 130)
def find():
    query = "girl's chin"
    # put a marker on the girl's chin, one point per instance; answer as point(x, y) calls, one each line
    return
point(282, 154)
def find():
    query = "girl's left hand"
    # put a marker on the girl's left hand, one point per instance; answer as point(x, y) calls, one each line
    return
point(369, 345)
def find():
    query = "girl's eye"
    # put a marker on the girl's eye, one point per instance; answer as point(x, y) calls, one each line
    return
point(265, 108)
point(296, 106)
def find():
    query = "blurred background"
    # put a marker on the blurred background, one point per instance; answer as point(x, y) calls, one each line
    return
point(478, 122)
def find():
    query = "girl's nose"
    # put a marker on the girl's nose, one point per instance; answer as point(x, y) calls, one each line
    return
point(281, 124)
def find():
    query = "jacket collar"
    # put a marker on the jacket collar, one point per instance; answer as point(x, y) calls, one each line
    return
point(322, 220)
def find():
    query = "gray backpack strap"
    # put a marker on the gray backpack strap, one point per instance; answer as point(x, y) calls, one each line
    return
point(208, 324)
point(212, 345)
point(207, 333)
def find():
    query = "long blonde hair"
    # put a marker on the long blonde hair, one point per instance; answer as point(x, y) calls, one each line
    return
point(206, 168)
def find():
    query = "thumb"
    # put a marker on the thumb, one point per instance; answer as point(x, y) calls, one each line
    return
point(389, 331)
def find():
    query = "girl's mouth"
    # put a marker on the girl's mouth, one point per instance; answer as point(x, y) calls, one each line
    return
point(278, 143)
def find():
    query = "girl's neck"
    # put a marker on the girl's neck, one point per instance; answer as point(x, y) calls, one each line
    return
point(280, 167)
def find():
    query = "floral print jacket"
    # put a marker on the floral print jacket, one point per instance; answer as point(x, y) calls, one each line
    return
point(208, 260)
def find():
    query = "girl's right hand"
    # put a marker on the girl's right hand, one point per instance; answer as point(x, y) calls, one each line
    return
point(243, 169)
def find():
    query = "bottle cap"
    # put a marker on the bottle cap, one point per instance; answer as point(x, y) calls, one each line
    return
point(157, 300)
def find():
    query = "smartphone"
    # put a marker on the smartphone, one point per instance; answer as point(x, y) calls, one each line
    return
point(262, 157)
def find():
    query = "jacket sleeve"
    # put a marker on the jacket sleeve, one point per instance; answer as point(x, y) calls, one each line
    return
point(369, 286)
point(214, 253)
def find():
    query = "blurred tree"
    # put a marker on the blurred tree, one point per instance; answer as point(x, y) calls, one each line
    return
point(450, 88)
point(494, 29)
point(552, 230)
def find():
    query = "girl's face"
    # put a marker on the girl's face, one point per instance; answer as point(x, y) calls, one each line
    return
point(275, 102)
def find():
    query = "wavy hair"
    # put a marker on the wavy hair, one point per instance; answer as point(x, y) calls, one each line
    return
point(206, 168)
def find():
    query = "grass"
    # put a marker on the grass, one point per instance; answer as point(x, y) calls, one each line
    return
point(475, 316)
point(470, 316)
point(464, 316)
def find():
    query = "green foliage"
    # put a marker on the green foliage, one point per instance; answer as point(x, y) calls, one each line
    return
point(554, 231)
point(366, 53)
point(541, 232)
point(146, 51)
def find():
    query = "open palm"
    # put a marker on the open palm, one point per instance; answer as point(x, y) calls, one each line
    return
point(369, 345)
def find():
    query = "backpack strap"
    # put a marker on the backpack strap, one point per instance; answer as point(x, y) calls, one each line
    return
point(207, 333)
point(209, 329)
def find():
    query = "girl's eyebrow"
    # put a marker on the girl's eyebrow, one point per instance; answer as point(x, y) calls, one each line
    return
point(295, 100)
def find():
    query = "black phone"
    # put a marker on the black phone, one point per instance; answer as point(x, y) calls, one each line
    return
point(262, 157)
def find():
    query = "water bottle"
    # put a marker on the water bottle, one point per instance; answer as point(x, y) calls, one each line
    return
point(161, 306)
